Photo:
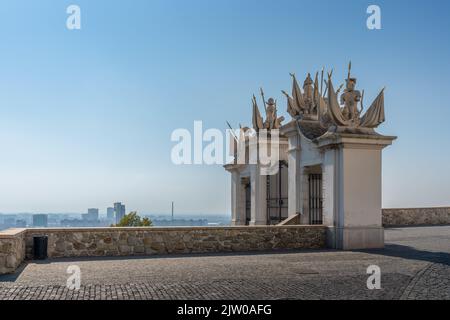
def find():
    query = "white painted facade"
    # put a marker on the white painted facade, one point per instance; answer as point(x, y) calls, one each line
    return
point(349, 165)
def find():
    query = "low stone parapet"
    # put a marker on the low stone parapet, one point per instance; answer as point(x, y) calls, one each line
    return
point(100, 242)
point(416, 216)
point(12, 249)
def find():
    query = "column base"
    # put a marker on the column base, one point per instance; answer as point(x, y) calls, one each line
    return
point(350, 238)
point(237, 222)
point(257, 223)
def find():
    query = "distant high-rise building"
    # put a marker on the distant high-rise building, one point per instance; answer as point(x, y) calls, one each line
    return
point(119, 211)
point(110, 213)
point(40, 220)
point(93, 211)
point(92, 215)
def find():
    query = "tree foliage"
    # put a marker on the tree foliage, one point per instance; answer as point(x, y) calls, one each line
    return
point(133, 220)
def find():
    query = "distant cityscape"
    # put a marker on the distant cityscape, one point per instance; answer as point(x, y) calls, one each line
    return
point(112, 215)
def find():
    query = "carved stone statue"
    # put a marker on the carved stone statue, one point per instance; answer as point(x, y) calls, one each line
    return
point(306, 103)
point(308, 94)
point(349, 115)
point(271, 114)
point(312, 104)
point(272, 121)
point(350, 99)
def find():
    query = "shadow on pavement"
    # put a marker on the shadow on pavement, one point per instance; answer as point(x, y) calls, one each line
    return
point(404, 226)
point(12, 277)
point(184, 255)
point(407, 252)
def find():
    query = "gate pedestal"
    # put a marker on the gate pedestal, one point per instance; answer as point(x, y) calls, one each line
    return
point(352, 189)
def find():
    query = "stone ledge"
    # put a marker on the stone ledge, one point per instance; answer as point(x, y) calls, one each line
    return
point(290, 221)
point(91, 229)
point(129, 241)
point(12, 249)
point(416, 216)
point(12, 232)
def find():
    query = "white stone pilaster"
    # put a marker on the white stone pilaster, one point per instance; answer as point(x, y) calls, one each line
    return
point(237, 193)
point(294, 176)
point(258, 184)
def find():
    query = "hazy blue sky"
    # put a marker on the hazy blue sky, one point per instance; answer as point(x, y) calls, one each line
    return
point(86, 116)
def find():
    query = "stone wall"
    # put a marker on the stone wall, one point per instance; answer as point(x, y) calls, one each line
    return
point(12, 249)
point(97, 242)
point(416, 216)
point(149, 241)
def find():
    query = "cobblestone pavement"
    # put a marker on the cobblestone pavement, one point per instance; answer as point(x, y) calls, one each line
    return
point(414, 265)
